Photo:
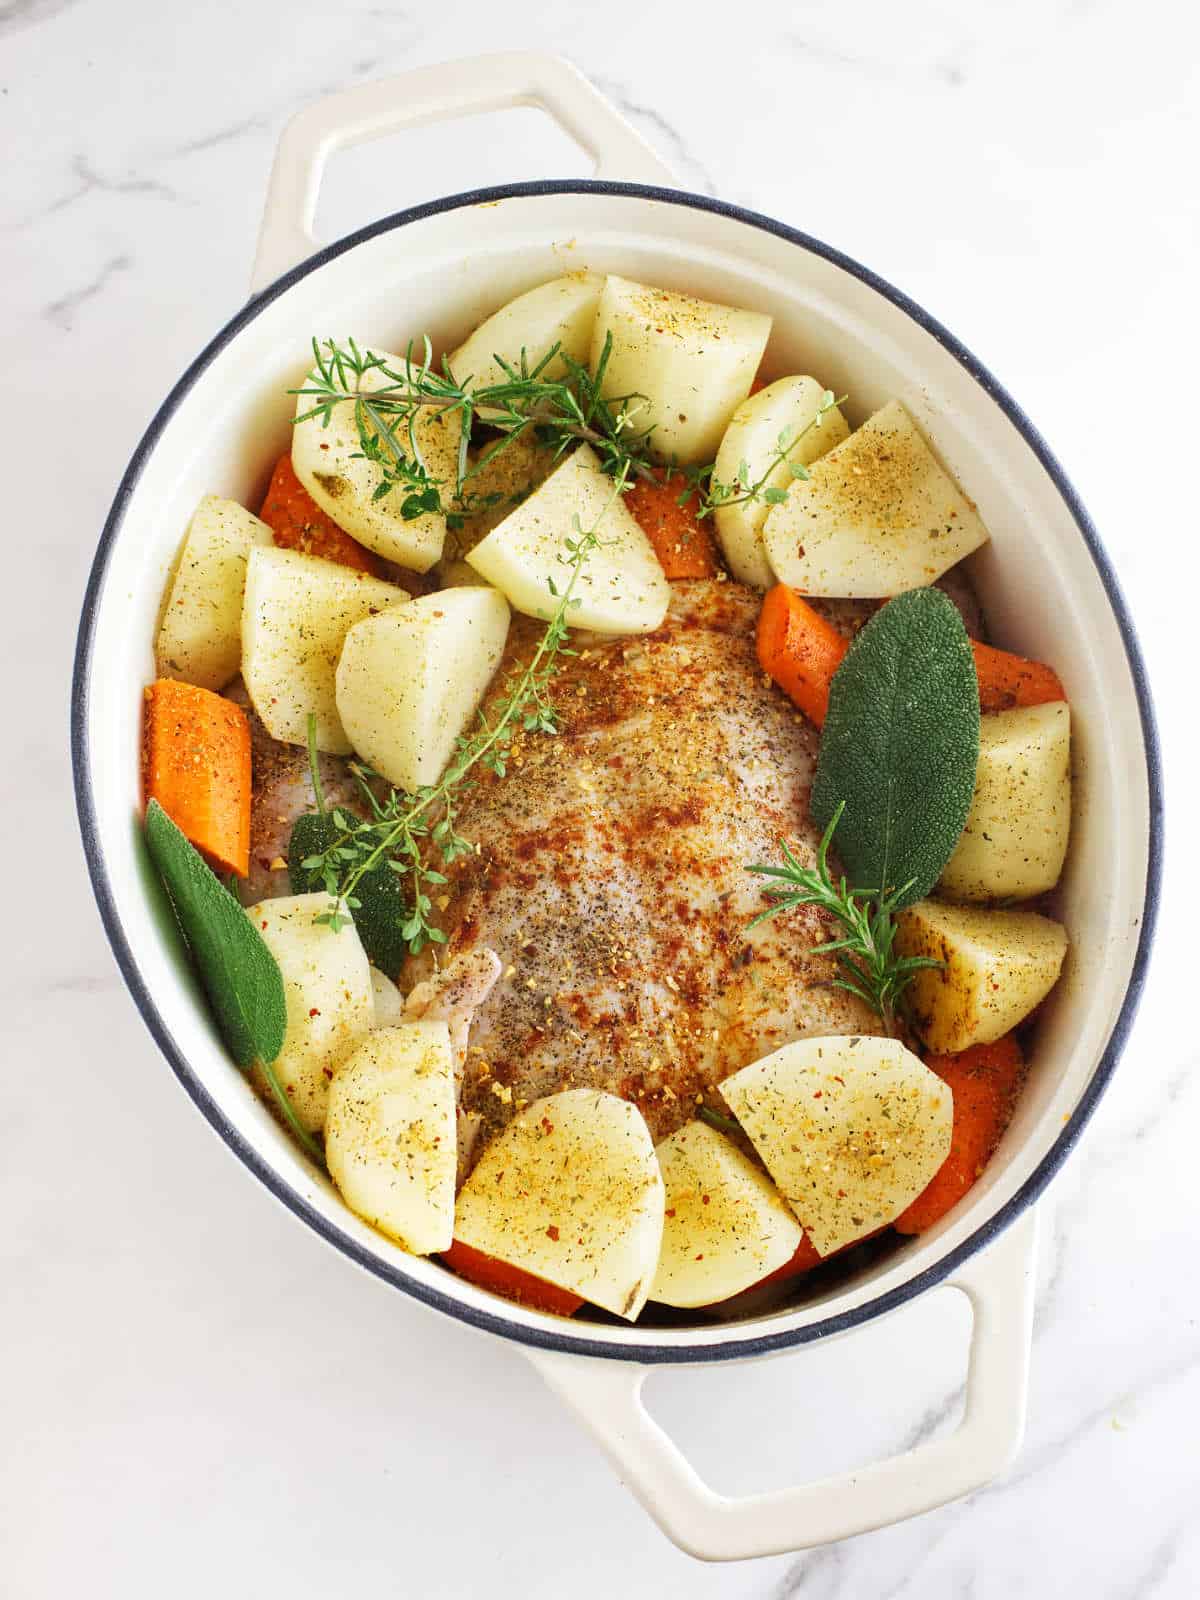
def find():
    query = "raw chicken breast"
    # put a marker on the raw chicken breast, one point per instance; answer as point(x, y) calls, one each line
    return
point(281, 791)
point(611, 880)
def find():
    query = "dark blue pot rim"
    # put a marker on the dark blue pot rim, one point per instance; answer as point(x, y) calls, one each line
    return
point(551, 1338)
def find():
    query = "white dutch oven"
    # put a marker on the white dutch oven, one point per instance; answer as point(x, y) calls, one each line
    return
point(1049, 593)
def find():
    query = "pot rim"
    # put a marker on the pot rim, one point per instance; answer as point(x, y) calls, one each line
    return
point(550, 1338)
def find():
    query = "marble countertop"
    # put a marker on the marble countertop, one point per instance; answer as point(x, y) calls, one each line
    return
point(196, 1397)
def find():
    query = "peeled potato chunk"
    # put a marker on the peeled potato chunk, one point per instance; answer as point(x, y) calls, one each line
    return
point(726, 1225)
point(691, 360)
point(998, 966)
point(876, 516)
point(851, 1130)
point(327, 987)
point(298, 610)
point(410, 679)
point(200, 637)
point(621, 587)
point(571, 1191)
point(1015, 839)
point(560, 312)
point(330, 464)
point(781, 416)
point(389, 1134)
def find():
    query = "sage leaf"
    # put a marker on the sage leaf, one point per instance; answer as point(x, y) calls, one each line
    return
point(900, 746)
point(381, 909)
point(240, 975)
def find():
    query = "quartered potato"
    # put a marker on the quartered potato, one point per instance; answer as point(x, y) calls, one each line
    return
point(298, 610)
point(876, 516)
point(327, 986)
point(726, 1225)
point(691, 360)
point(390, 1135)
point(851, 1129)
point(410, 679)
point(560, 312)
point(1015, 839)
point(330, 464)
point(200, 638)
point(571, 1192)
point(998, 966)
point(621, 588)
point(781, 416)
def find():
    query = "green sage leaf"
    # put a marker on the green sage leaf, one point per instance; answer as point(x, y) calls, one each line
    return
point(900, 745)
point(381, 907)
point(240, 975)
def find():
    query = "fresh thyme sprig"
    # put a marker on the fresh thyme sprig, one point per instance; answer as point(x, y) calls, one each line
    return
point(713, 493)
point(867, 961)
point(390, 400)
point(405, 829)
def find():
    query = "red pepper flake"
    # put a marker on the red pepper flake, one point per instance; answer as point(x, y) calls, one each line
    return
point(670, 1212)
point(552, 1233)
point(700, 1257)
point(704, 1199)
point(315, 1011)
point(818, 1094)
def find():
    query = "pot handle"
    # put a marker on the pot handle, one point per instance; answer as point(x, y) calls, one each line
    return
point(606, 1397)
point(435, 94)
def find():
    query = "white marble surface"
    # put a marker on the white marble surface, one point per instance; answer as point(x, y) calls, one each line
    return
point(195, 1396)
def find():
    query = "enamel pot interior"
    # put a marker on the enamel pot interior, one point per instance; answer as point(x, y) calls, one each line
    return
point(1044, 582)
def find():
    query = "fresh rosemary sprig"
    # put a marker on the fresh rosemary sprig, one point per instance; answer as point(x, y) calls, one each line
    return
point(745, 489)
point(404, 829)
point(389, 401)
point(868, 964)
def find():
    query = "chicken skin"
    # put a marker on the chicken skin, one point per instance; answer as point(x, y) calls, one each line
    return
point(610, 876)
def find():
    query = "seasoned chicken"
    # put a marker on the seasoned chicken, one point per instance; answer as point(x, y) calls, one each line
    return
point(281, 791)
point(453, 996)
point(610, 876)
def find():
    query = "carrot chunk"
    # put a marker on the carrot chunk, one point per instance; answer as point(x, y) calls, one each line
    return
point(196, 764)
point(298, 523)
point(799, 649)
point(1006, 680)
point(985, 1080)
point(681, 541)
point(527, 1290)
point(804, 1259)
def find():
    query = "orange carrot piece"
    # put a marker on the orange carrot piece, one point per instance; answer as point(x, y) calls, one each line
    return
point(196, 764)
point(298, 523)
point(681, 541)
point(799, 649)
point(985, 1080)
point(803, 1260)
point(527, 1290)
point(1006, 680)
